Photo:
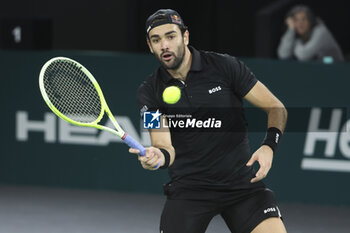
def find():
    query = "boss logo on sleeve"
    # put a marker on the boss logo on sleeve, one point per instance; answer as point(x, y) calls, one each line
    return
point(215, 89)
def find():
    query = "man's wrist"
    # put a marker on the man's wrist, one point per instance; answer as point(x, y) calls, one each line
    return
point(272, 138)
point(166, 158)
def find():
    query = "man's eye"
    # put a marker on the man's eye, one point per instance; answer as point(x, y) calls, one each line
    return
point(171, 37)
point(155, 41)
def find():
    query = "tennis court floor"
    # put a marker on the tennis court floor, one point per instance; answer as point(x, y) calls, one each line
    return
point(27, 209)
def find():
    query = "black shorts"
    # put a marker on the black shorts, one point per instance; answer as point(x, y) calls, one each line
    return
point(241, 214)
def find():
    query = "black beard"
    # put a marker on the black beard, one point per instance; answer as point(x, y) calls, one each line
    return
point(177, 60)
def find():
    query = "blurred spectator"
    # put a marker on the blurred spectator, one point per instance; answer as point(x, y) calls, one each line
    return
point(307, 38)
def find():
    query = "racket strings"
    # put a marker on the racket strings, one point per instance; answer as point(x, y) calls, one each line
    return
point(72, 92)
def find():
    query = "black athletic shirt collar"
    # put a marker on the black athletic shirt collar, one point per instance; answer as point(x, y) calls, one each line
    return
point(195, 66)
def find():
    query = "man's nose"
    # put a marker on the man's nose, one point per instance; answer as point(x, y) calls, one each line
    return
point(164, 45)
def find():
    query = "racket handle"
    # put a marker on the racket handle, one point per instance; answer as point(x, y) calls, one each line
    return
point(134, 144)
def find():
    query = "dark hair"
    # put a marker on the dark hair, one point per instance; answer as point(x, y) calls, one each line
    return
point(183, 28)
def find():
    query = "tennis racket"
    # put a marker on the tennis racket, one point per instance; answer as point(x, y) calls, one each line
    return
point(74, 95)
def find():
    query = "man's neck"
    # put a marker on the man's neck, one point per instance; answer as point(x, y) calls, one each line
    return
point(182, 71)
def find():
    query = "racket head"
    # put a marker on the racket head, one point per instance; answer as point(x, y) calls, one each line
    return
point(72, 92)
point(74, 95)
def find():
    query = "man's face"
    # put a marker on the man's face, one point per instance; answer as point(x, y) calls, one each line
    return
point(168, 45)
point(301, 23)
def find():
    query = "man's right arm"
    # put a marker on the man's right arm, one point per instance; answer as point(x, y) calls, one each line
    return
point(160, 139)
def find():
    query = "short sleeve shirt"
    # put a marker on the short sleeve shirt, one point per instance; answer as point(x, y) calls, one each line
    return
point(212, 91)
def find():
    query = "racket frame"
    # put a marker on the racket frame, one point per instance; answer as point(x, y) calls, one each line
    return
point(104, 107)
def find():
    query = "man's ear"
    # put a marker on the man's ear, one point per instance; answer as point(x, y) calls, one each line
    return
point(149, 45)
point(186, 37)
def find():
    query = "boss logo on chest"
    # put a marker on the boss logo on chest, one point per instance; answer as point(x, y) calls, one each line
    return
point(215, 89)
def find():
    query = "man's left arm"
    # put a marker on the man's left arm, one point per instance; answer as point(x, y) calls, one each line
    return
point(262, 98)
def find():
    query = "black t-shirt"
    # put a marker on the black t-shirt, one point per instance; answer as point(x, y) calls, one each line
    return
point(206, 158)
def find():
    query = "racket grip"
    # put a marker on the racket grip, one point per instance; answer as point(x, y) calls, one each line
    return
point(134, 144)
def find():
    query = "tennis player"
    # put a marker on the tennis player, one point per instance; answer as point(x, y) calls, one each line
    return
point(211, 172)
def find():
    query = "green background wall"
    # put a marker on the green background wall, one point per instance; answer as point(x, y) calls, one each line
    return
point(34, 161)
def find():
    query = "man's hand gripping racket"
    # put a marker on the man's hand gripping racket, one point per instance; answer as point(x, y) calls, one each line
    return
point(74, 95)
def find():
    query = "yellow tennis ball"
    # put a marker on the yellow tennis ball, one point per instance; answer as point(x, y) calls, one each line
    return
point(171, 95)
